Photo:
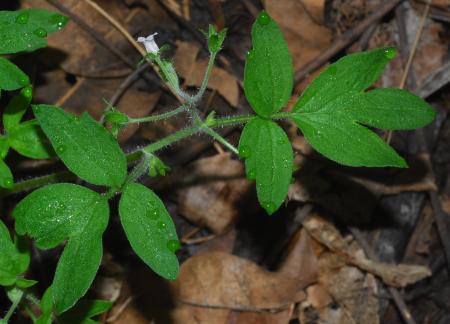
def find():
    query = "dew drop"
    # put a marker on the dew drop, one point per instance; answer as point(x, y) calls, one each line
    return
point(40, 32)
point(161, 226)
point(152, 214)
point(390, 53)
point(61, 149)
point(244, 151)
point(27, 92)
point(8, 183)
point(251, 175)
point(250, 55)
point(22, 19)
point(24, 81)
point(58, 21)
point(280, 141)
point(173, 245)
point(269, 207)
point(263, 18)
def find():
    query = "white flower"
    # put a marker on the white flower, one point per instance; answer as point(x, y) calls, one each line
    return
point(149, 43)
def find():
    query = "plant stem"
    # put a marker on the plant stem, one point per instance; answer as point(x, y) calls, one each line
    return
point(139, 169)
point(154, 118)
point(12, 309)
point(205, 81)
point(170, 139)
point(220, 139)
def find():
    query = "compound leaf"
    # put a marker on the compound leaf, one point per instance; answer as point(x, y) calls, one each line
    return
point(333, 110)
point(29, 140)
point(14, 257)
point(11, 77)
point(268, 159)
point(150, 229)
point(85, 147)
point(268, 76)
point(66, 211)
point(25, 30)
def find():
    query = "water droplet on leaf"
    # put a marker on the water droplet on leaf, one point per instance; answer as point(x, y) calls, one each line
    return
point(173, 245)
point(251, 175)
point(8, 183)
point(280, 141)
point(263, 18)
point(27, 92)
point(22, 19)
point(61, 149)
point(244, 151)
point(390, 52)
point(269, 207)
point(58, 20)
point(152, 214)
point(40, 32)
point(161, 226)
point(24, 81)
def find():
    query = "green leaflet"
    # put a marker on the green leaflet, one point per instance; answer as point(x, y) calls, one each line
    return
point(333, 109)
point(150, 229)
point(6, 177)
point(16, 108)
point(268, 75)
point(29, 140)
point(85, 147)
point(268, 159)
point(14, 257)
point(58, 212)
point(11, 77)
point(84, 310)
point(25, 30)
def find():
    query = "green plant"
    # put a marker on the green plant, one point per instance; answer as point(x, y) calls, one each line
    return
point(333, 113)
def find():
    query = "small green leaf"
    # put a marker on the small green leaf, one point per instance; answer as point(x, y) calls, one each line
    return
point(66, 211)
point(46, 307)
point(268, 76)
point(6, 177)
point(25, 30)
point(14, 257)
point(215, 39)
point(11, 77)
point(268, 159)
point(84, 311)
point(4, 146)
point(16, 108)
point(29, 140)
point(77, 267)
point(25, 283)
point(150, 229)
point(85, 147)
point(333, 109)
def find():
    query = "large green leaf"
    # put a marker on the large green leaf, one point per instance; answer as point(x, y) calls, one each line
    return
point(25, 30)
point(63, 211)
point(16, 108)
point(333, 110)
point(14, 257)
point(150, 229)
point(268, 75)
point(11, 77)
point(268, 159)
point(85, 147)
point(29, 140)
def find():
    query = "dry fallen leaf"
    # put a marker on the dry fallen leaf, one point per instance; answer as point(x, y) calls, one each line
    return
point(399, 275)
point(213, 199)
point(192, 70)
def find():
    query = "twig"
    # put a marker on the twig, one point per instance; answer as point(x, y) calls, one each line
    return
point(443, 224)
point(344, 41)
point(396, 296)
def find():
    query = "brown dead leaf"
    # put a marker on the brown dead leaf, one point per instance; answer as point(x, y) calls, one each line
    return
point(212, 200)
point(192, 70)
point(221, 280)
point(302, 25)
point(399, 275)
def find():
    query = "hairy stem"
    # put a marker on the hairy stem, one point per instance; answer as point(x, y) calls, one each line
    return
point(154, 118)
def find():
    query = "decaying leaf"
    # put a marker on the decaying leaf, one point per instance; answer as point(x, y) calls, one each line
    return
point(213, 199)
point(399, 275)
